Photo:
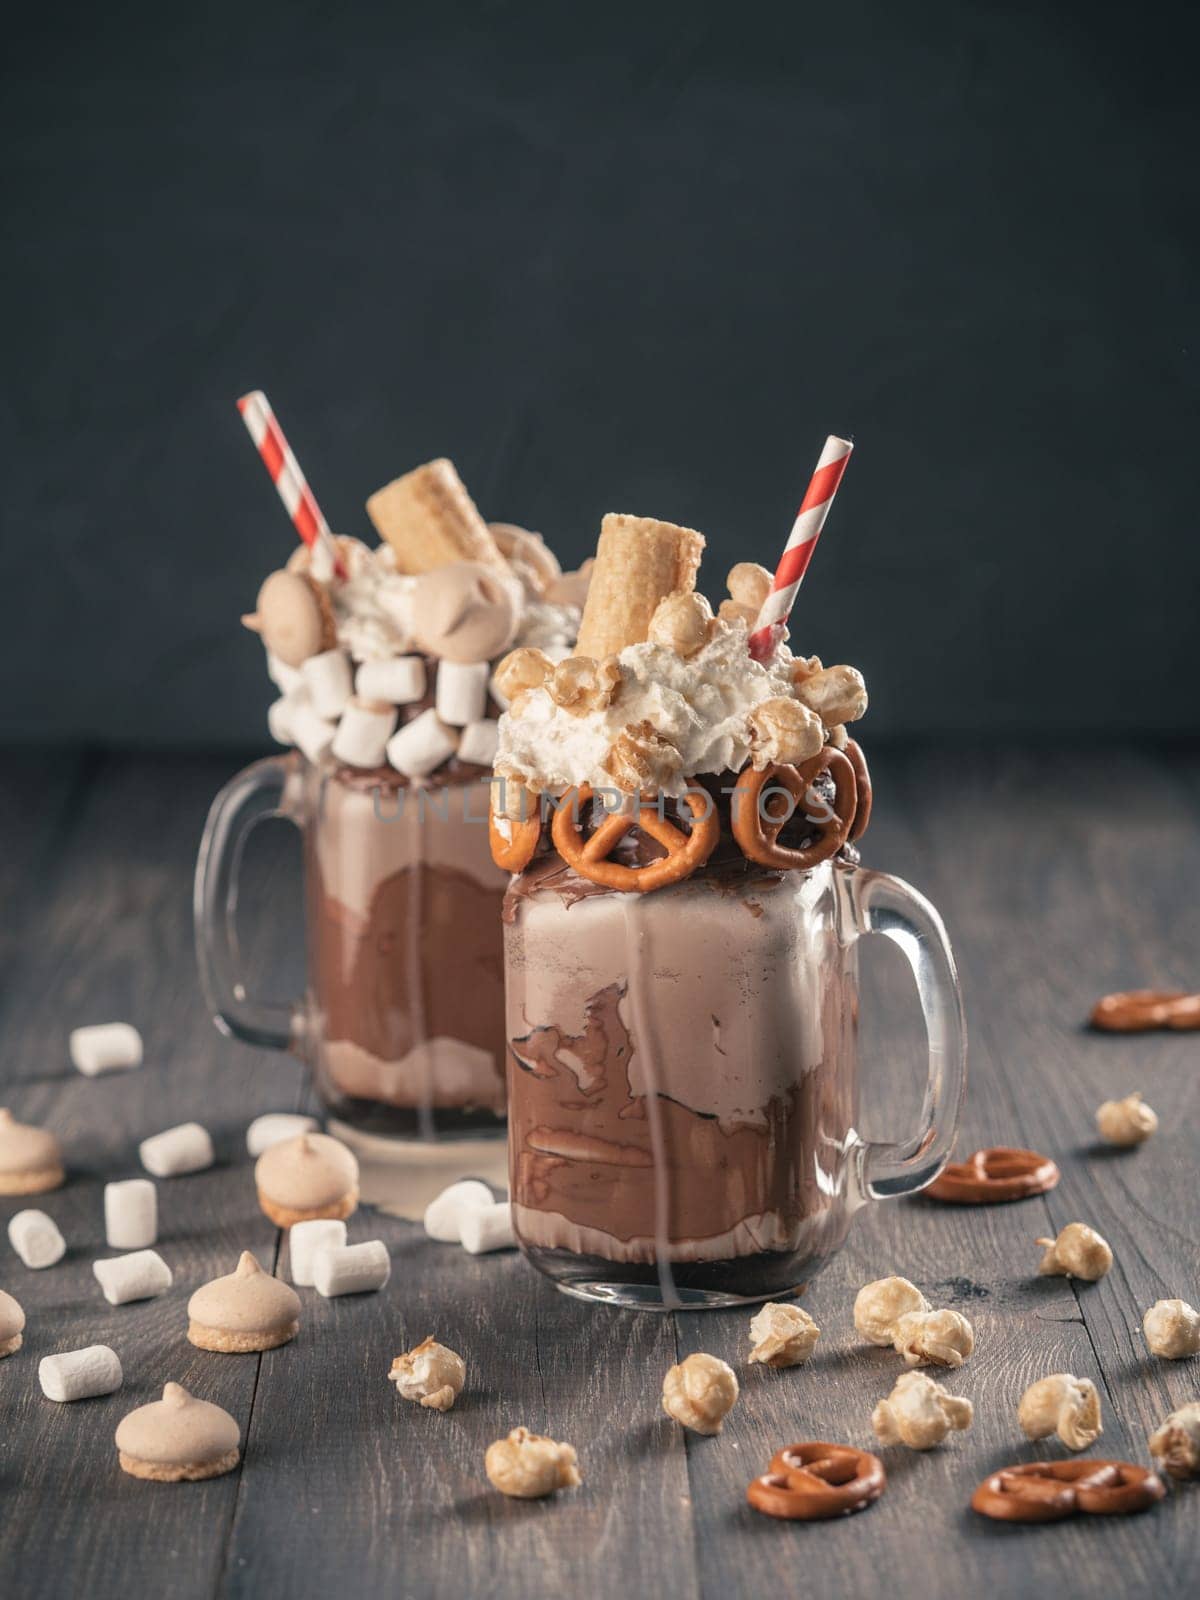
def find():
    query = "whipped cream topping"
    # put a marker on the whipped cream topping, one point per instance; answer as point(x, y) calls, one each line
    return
point(701, 705)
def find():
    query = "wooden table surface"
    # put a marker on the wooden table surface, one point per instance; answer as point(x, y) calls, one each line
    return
point(1060, 875)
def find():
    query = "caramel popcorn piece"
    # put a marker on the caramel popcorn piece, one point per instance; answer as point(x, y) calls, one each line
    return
point(520, 671)
point(683, 623)
point(879, 1306)
point(784, 731)
point(1078, 1252)
point(782, 1335)
point(431, 1374)
point(939, 1338)
point(528, 1466)
point(700, 1392)
point(1065, 1405)
point(641, 760)
point(836, 694)
point(581, 685)
point(1172, 1329)
point(1126, 1122)
point(748, 585)
point(919, 1413)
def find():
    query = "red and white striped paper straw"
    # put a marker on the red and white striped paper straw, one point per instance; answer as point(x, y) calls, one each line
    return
point(298, 499)
point(797, 553)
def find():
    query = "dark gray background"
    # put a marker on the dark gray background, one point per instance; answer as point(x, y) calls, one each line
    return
point(610, 257)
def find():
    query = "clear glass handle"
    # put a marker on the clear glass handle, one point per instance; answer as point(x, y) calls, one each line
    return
point(887, 905)
point(257, 793)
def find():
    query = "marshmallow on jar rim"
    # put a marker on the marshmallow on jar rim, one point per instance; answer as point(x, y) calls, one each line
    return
point(312, 1176)
point(178, 1439)
point(363, 733)
point(466, 611)
point(421, 746)
point(30, 1158)
point(12, 1324)
point(247, 1310)
point(399, 681)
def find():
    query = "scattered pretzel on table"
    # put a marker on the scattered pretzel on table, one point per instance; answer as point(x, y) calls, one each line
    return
point(814, 1481)
point(990, 1176)
point(758, 822)
point(1139, 1010)
point(1048, 1491)
point(589, 856)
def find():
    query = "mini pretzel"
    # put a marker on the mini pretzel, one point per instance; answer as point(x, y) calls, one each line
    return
point(758, 833)
point(1048, 1491)
point(813, 1481)
point(589, 857)
point(514, 854)
point(1142, 1009)
point(992, 1175)
point(862, 779)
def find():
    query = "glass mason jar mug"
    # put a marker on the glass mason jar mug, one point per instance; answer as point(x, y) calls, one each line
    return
point(402, 1021)
point(683, 1094)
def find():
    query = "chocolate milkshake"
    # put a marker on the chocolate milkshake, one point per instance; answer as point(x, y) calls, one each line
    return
point(680, 940)
point(384, 659)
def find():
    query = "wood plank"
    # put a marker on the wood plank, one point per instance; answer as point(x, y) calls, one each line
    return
point(112, 938)
point(921, 1534)
point(1063, 879)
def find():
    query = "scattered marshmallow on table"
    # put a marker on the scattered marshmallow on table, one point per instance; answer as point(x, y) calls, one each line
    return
point(36, 1239)
point(488, 1228)
point(399, 681)
point(311, 733)
point(80, 1374)
point(273, 1127)
point(461, 691)
point(306, 1240)
point(352, 1268)
point(444, 1214)
point(421, 745)
point(362, 734)
point(328, 681)
point(141, 1276)
point(105, 1047)
point(477, 742)
point(187, 1148)
point(130, 1214)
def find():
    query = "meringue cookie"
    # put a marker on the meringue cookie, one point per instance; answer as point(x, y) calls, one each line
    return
point(177, 1439)
point(248, 1310)
point(293, 617)
point(12, 1324)
point(305, 1178)
point(465, 611)
point(530, 557)
point(30, 1158)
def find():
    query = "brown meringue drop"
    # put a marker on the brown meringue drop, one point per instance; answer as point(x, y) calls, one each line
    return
point(177, 1439)
point(12, 1324)
point(30, 1158)
point(293, 617)
point(247, 1310)
point(305, 1178)
point(465, 611)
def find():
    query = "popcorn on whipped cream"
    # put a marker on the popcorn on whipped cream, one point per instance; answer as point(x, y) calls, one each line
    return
point(701, 707)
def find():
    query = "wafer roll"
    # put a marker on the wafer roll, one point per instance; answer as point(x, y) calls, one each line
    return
point(638, 563)
point(429, 520)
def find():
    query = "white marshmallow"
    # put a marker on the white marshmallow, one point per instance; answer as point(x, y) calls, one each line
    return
point(282, 676)
point(140, 1276)
point(399, 681)
point(36, 1239)
point(351, 1268)
point(477, 742)
point(311, 733)
point(489, 1228)
point(80, 1374)
point(105, 1047)
point(273, 1128)
point(461, 691)
point(186, 1148)
point(421, 745)
point(279, 718)
point(130, 1214)
point(306, 1241)
point(327, 679)
point(363, 733)
point(444, 1213)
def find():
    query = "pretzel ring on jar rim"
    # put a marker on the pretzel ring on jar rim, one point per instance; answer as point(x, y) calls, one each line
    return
point(814, 1481)
point(757, 829)
point(864, 791)
point(1048, 1491)
point(589, 857)
point(516, 852)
